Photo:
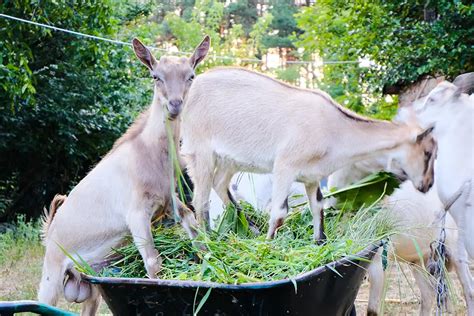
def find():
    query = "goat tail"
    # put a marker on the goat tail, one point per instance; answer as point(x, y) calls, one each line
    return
point(48, 216)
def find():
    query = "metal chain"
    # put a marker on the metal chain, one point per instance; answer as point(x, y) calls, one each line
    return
point(438, 257)
point(437, 267)
point(384, 254)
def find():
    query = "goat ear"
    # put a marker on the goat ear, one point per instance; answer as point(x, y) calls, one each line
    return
point(425, 133)
point(465, 83)
point(200, 52)
point(143, 53)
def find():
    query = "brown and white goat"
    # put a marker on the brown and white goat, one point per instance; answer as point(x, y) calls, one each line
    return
point(124, 191)
point(239, 120)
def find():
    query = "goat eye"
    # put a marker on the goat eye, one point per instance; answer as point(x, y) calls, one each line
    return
point(156, 78)
point(191, 78)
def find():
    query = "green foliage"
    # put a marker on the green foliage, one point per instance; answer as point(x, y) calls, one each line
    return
point(187, 34)
point(290, 74)
point(283, 25)
point(364, 192)
point(233, 221)
point(64, 99)
point(162, 8)
point(234, 254)
point(397, 35)
point(17, 237)
point(243, 12)
point(210, 13)
point(207, 17)
point(259, 30)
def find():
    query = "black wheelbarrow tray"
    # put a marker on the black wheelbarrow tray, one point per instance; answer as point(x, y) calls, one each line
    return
point(321, 291)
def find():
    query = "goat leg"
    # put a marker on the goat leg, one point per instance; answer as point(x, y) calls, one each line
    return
point(139, 223)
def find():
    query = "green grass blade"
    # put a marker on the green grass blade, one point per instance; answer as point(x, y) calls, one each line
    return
point(202, 302)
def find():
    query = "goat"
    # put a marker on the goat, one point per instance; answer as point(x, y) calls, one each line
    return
point(251, 122)
point(418, 217)
point(123, 191)
point(355, 172)
point(453, 113)
point(417, 213)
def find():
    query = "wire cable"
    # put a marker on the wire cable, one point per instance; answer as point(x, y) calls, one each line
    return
point(100, 38)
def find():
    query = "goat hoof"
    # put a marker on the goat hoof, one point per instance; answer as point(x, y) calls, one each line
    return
point(196, 258)
point(270, 235)
point(320, 241)
point(253, 228)
point(193, 234)
point(153, 267)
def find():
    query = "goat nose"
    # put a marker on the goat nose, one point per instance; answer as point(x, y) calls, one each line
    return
point(176, 103)
point(425, 187)
point(430, 185)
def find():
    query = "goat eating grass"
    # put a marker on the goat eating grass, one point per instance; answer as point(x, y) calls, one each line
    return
point(129, 186)
point(251, 122)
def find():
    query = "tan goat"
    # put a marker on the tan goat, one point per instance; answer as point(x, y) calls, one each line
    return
point(239, 120)
point(124, 191)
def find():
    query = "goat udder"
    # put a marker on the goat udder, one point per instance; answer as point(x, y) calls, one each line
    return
point(76, 291)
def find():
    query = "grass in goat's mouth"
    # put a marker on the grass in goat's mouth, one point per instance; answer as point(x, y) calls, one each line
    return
point(235, 255)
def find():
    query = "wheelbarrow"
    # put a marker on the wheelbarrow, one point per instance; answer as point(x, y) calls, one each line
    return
point(327, 290)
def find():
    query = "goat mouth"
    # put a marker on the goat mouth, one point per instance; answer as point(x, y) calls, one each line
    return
point(173, 113)
point(172, 117)
point(425, 187)
point(402, 177)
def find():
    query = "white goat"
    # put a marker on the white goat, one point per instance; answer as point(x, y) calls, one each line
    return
point(418, 217)
point(255, 189)
point(251, 122)
point(417, 213)
point(452, 112)
point(123, 192)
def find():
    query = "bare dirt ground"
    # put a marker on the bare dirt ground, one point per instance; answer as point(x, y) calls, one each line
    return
point(402, 294)
point(20, 274)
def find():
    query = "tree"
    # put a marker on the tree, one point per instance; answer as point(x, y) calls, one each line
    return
point(243, 12)
point(258, 33)
point(65, 99)
point(282, 26)
point(406, 40)
point(208, 17)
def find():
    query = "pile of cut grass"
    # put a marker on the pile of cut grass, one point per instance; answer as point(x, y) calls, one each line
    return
point(235, 255)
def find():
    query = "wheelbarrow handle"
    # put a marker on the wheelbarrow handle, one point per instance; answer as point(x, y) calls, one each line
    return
point(13, 307)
